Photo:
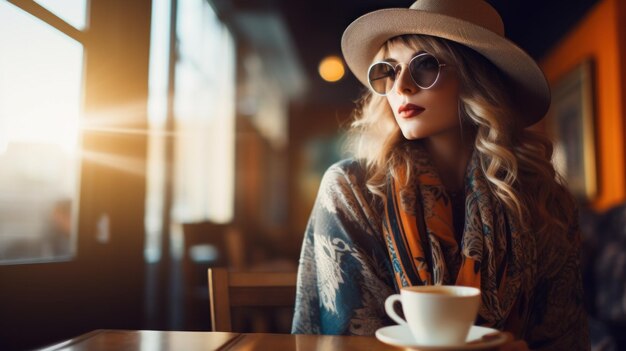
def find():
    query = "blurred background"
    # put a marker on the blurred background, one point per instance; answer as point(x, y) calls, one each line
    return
point(144, 141)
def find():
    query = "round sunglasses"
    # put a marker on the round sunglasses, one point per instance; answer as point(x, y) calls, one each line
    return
point(424, 69)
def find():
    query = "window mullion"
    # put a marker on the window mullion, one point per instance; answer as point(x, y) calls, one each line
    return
point(50, 18)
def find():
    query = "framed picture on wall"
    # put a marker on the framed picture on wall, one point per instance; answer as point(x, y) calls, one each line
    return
point(572, 124)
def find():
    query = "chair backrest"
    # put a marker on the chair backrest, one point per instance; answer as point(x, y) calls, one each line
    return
point(206, 244)
point(206, 233)
point(229, 289)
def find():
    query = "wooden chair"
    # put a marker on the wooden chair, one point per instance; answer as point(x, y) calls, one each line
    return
point(206, 244)
point(247, 289)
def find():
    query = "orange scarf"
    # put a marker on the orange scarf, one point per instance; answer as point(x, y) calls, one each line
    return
point(419, 233)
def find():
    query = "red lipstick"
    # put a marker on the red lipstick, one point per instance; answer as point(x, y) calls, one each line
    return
point(410, 110)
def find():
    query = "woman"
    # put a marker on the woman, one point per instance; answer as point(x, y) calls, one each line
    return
point(446, 187)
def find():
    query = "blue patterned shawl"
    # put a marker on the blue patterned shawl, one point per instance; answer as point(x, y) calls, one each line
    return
point(345, 273)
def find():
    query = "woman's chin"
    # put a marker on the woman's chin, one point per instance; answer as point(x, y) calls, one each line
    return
point(412, 135)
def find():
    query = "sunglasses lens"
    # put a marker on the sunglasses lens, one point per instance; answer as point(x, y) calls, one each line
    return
point(424, 70)
point(381, 77)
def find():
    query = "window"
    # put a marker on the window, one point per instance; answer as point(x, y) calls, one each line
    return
point(201, 129)
point(204, 109)
point(41, 76)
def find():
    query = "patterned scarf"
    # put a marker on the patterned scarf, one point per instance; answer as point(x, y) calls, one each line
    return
point(419, 233)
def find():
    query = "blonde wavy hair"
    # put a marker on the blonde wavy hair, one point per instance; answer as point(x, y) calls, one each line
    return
point(516, 161)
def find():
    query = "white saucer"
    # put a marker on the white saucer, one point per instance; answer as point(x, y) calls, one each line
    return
point(400, 335)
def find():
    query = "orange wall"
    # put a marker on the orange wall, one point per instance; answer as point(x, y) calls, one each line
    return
point(598, 37)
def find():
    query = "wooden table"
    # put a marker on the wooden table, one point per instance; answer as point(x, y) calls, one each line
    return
point(149, 340)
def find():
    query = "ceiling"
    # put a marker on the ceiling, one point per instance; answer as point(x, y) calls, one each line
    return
point(315, 29)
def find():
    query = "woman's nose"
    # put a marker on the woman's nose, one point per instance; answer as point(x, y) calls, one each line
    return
point(404, 83)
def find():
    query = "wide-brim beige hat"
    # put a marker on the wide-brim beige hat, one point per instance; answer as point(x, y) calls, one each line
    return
point(473, 23)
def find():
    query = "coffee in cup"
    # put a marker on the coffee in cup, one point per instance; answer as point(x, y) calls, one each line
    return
point(437, 315)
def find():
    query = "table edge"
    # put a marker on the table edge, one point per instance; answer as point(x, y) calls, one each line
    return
point(72, 341)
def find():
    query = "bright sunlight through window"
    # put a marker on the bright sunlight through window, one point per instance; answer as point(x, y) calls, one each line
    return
point(40, 102)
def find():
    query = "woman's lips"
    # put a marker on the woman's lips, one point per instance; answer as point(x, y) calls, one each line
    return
point(410, 110)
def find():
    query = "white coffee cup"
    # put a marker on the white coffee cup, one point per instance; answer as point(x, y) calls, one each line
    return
point(438, 315)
